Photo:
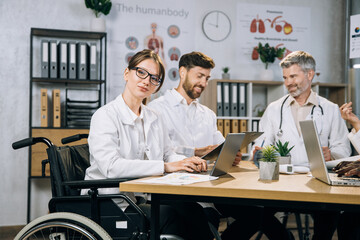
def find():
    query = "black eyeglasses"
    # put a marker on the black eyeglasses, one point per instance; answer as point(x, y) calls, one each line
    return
point(142, 73)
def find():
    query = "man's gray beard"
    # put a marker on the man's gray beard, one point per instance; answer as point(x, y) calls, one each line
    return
point(296, 93)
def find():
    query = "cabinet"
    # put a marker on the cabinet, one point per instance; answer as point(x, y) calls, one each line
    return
point(67, 84)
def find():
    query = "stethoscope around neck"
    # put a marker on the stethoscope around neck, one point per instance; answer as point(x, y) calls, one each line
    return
point(280, 131)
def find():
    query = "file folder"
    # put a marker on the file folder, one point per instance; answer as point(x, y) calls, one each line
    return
point(226, 98)
point(72, 60)
point(220, 125)
point(56, 108)
point(234, 99)
point(44, 58)
point(43, 108)
point(82, 56)
point(242, 100)
point(255, 125)
point(243, 128)
point(219, 102)
point(93, 62)
point(235, 126)
point(63, 59)
point(226, 127)
point(243, 125)
point(53, 59)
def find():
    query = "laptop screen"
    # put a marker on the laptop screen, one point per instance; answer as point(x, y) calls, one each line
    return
point(314, 150)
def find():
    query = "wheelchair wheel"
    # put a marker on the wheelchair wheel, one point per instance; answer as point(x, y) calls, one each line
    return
point(62, 226)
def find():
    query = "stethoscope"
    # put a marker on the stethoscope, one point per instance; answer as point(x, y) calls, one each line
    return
point(280, 132)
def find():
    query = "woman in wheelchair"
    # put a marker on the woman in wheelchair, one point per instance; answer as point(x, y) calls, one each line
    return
point(128, 140)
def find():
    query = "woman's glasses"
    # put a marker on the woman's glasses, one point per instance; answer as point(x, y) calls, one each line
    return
point(142, 73)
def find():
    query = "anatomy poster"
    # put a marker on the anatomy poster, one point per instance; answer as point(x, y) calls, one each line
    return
point(163, 26)
point(355, 36)
point(279, 26)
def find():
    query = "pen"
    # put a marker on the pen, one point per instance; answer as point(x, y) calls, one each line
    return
point(262, 144)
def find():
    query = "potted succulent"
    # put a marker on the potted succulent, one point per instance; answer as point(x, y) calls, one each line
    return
point(269, 163)
point(225, 74)
point(99, 7)
point(284, 152)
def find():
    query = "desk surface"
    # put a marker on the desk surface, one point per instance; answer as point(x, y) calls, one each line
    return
point(243, 182)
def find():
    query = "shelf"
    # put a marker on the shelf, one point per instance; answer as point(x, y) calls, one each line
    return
point(69, 81)
point(57, 33)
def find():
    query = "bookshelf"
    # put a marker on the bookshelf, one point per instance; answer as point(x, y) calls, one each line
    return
point(258, 94)
point(65, 61)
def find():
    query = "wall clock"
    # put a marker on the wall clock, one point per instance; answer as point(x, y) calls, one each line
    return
point(216, 26)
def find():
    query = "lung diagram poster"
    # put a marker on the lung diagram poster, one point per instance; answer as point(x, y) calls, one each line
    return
point(279, 26)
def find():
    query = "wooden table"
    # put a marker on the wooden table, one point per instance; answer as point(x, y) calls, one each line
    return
point(242, 186)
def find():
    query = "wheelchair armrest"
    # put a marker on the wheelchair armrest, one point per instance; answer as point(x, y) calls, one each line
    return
point(101, 183)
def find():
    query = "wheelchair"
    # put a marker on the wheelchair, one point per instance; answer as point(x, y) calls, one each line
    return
point(75, 216)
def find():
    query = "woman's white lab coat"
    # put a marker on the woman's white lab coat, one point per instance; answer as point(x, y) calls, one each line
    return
point(332, 129)
point(355, 139)
point(114, 145)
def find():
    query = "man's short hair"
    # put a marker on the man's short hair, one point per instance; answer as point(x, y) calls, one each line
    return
point(301, 58)
point(196, 59)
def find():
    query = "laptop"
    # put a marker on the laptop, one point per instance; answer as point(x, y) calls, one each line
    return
point(316, 159)
point(225, 153)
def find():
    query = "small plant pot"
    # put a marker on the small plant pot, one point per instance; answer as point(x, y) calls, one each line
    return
point(267, 74)
point(285, 160)
point(269, 170)
point(98, 24)
point(226, 75)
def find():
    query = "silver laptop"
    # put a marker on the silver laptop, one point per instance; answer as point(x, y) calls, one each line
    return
point(227, 151)
point(316, 158)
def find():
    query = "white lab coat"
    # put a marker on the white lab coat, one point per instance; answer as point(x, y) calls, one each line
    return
point(332, 128)
point(355, 139)
point(114, 144)
point(190, 126)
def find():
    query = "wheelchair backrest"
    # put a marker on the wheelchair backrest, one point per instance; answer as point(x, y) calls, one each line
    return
point(67, 163)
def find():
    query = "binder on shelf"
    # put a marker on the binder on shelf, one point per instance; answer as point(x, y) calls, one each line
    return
point(53, 59)
point(93, 62)
point(243, 125)
point(255, 125)
point(242, 100)
point(63, 59)
point(44, 58)
point(243, 128)
point(234, 99)
point(226, 99)
point(43, 108)
point(235, 126)
point(56, 108)
point(220, 125)
point(82, 56)
point(219, 102)
point(226, 127)
point(72, 60)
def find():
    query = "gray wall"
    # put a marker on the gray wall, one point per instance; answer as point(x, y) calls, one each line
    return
point(18, 16)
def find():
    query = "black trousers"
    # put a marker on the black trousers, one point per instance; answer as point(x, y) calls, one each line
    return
point(187, 220)
point(347, 224)
point(251, 219)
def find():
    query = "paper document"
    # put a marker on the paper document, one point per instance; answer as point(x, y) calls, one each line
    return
point(180, 179)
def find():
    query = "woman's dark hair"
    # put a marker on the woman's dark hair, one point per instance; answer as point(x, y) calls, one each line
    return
point(148, 54)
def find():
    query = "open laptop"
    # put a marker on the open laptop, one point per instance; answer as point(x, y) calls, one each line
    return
point(316, 158)
point(225, 153)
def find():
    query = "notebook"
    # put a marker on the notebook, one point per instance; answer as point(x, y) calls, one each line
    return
point(225, 153)
point(316, 159)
